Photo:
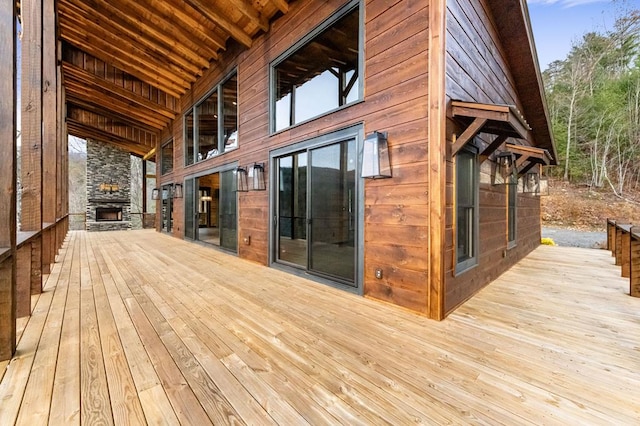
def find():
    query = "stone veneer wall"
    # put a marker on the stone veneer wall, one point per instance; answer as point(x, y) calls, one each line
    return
point(106, 163)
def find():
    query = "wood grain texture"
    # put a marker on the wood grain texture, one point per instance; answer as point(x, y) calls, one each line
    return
point(634, 270)
point(283, 350)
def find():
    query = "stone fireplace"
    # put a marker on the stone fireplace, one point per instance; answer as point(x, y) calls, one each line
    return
point(108, 188)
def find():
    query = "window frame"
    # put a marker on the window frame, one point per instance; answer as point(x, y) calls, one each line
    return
point(217, 89)
point(472, 261)
point(327, 23)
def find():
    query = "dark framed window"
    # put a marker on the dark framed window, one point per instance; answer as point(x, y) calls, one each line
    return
point(321, 73)
point(166, 158)
point(512, 205)
point(211, 126)
point(466, 210)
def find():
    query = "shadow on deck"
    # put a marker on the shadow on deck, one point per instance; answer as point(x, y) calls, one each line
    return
point(137, 327)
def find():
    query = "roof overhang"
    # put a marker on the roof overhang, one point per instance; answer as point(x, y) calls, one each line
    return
point(503, 121)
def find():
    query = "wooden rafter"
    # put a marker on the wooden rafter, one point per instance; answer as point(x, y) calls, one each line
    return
point(84, 131)
point(528, 157)
point(142, 53)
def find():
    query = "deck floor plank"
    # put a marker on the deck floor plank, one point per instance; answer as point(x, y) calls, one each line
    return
point(176, 333)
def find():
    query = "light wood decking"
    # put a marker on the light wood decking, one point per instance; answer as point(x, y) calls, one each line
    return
point(138, 327)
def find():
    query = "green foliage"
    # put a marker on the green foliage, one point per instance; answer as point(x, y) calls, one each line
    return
point(594, 104)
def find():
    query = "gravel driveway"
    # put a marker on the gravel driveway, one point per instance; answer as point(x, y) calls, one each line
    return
point(573, 238)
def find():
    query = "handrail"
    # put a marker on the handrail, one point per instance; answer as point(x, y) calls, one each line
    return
point(625, 246)
point(24, 237)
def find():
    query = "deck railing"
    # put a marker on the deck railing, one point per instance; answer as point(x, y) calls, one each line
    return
point(623, 239)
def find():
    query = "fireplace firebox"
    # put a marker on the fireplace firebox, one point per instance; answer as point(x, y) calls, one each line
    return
point(108, 214)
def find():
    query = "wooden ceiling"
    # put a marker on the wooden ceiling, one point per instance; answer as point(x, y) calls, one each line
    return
point(127, 62)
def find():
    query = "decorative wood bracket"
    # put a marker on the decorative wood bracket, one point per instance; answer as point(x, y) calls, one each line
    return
point(504, 121)
point(528, 157)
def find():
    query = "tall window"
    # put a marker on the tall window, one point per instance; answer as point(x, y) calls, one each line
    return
point(466, 210)
point(512, 196)
point(166, 157)
point(319, 74)
point(211, 126)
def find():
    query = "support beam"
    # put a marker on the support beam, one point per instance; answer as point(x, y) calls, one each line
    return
point(208, 10)
point(468, 134)
point(8, 165)
point(31, 147)
point(493, 146)
point(50, 131)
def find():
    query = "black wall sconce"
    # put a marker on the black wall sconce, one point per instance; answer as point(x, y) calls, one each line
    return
point(531, 183)
point(257, 177)
point(505, 167)
point(242, 184)
point(375, 156)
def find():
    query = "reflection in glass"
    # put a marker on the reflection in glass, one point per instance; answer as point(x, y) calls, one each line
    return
point(230, 113)
point(333, 213)
point(189, 157)
point(166, 157)
point(207, 116)
point(292, 209)
point(228, 211)
point(320, 76)
point(466, 190)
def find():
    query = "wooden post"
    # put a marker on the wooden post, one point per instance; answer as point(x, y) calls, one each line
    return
point(618, 245)
point(31, 147)
point(8, 153)
point(625, 252)
point(634, 278)
point(437, 157)
point(611, 236)
point(49, 137)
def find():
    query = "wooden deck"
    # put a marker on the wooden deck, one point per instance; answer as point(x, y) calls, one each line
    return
point(137, 327)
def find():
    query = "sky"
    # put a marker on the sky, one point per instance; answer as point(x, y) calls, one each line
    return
point(557, 24)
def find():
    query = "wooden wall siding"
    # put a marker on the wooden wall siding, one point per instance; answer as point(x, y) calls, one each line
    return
point(477, 70)
point(396, 70)
point(7, 179)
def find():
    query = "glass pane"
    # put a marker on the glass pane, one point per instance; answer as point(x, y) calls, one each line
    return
point(188, 138)
point(292, 209)
point(228, 216)
point(320, 76)
point(466, 188)
point(189, 214)
point(333, 212)
point(167, 209)
point(230, 113)
point(513, 192)
point(207, 112)
point(167, 158)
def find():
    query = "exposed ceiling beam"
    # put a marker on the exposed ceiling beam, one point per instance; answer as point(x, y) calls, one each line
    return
point(113, 90)
point(107, 110)
point(84, 131)
point(209, 10)
point(115, 56)
point(244, 7)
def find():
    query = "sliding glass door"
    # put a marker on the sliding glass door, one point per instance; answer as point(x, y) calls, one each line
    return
point(317, 211)
point(211, 210)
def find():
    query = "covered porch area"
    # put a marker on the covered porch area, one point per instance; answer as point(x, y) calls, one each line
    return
point(140, 328)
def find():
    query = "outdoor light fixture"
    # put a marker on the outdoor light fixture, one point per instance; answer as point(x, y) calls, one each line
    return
point(109, 187)
point(257, 176)
point(206, 198)
point(241, 180)
point(506, 165)
point(155, 194)
point(177, 190)
point(531, 183)
point(375, 156)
